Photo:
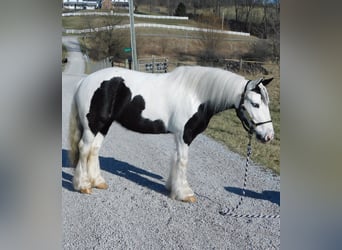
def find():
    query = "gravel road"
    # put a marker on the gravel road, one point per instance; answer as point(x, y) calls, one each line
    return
point(135, 212)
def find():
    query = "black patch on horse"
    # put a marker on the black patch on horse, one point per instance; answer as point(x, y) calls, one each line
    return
point(131, 118)
point(112, 101)
point(197, 123)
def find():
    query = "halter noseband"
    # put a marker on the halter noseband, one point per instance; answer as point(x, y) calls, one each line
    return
point(248, 125)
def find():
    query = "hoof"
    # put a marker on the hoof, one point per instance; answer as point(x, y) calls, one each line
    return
point(102, 186)
point(85, 191)
point(190, 199)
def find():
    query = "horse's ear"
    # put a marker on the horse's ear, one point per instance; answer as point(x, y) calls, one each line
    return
point(254, 83)
point(266, 81)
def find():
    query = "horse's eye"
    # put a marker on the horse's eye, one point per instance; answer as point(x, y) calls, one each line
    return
point(255, 105)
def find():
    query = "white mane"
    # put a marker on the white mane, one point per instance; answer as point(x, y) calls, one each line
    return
point(219, 87)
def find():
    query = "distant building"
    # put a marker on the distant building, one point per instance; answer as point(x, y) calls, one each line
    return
point(107, 4)
point(94, 4)
point(120, 3)
point(82, 4)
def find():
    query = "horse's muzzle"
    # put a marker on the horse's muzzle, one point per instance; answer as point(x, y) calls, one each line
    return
point(264, 139)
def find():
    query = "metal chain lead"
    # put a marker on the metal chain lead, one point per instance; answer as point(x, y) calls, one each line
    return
point(231, 212)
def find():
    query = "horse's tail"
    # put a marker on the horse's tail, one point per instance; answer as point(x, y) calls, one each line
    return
point(75, 133)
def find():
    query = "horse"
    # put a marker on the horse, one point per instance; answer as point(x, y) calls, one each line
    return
point(180, 102)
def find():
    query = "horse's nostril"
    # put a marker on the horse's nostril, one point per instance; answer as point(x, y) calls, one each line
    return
point(269, 137)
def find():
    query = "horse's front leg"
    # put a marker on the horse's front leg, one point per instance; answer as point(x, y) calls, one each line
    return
point(177, 183)
point(93, 165)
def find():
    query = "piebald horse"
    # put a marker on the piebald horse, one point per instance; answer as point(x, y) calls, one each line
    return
point(181, 102)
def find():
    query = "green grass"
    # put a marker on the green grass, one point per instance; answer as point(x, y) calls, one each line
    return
point(226, 128)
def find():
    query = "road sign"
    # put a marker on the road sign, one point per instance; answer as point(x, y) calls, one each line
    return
point(127, 50)
point(157, 65)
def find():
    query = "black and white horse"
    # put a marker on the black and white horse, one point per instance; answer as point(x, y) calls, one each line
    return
point(181, 102)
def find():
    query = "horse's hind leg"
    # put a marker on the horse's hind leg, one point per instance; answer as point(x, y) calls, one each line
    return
point(81, 181)
point(177, 182)
point(94, 171)
point(87, 173)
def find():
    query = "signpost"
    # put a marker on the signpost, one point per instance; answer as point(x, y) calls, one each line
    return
point(133, 44)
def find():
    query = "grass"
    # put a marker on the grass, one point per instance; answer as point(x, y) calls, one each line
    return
point(226, 128)
point(85, 22)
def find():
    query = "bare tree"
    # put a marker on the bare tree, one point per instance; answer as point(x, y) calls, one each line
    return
point(210, 39)
point(269, 30)
point(270, 26)
point(108, 43)
point(237, 8)
point(243, 10)
point(274, 20)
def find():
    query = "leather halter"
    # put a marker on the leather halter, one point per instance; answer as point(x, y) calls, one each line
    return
point(248, 124)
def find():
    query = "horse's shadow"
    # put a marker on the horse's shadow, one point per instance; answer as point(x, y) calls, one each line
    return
point(119, 168)
point(272, 196)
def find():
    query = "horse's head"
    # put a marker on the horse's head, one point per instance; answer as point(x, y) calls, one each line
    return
point(253, 110)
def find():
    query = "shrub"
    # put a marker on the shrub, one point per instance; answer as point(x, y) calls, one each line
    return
point(180, 10)
point(261, 50)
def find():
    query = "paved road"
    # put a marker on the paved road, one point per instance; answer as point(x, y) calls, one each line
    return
point(135, 211)
point(75, 63)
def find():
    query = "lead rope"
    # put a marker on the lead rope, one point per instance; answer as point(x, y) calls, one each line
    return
point(231, 212)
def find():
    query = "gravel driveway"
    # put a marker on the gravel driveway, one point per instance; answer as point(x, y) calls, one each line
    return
point(135, 212)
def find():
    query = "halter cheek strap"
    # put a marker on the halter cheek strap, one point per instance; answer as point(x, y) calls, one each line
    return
point(248, 124)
